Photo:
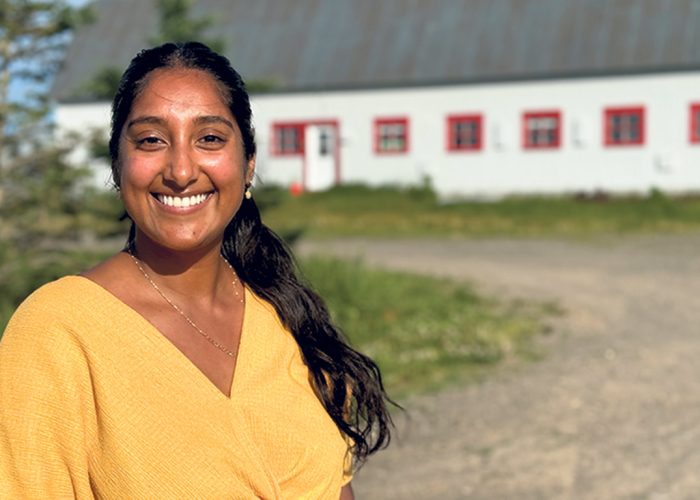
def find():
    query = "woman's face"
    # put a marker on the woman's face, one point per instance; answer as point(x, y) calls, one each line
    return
point(182, 164)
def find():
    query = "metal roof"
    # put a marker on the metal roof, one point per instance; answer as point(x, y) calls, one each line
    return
point(306, 44)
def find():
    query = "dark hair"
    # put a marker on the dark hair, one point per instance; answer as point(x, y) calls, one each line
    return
point(348, 383)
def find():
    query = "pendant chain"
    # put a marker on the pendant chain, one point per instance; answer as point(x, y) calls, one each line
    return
point(204, 334)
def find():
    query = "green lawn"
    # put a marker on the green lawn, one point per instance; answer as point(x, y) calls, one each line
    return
point(423, 332)
point(391, 212)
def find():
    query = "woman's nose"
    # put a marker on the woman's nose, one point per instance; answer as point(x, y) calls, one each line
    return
point(182, 168)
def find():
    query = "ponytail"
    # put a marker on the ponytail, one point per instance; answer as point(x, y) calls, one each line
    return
point(348, 383)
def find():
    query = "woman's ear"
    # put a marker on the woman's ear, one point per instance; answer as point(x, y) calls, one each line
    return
point(250, 171)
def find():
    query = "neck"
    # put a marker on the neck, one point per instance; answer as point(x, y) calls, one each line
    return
point(198, 274)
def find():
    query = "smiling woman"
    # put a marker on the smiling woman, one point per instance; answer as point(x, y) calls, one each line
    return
point(195, 363)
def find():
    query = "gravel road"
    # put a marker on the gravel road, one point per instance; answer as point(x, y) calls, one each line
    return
point(611, 412)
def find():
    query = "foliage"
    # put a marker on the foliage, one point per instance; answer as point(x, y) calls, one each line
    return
point(47, 203)
point(176, 25)
point(28, 271)
point(262, 85)
point(33, 173)
point(354, 210)
point(103, 85)
point(33, 35)
point(423, 332)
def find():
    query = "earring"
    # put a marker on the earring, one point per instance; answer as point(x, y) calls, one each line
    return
point(248, 194)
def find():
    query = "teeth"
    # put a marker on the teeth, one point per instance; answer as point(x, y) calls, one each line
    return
point(177, 201)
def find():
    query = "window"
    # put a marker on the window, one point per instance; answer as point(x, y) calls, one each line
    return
point(624, 126)
point(391, 135)
point(464, 133)
point(324, 142)
point(288, 139)
point(542, 130)
point(695, 123)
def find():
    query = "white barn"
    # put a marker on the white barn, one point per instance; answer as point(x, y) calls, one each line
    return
point(484, 98)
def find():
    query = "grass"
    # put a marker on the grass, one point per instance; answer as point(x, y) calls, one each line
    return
point(423, 332)
point(416, 212)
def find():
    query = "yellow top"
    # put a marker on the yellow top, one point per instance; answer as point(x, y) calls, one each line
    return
point(96, 403)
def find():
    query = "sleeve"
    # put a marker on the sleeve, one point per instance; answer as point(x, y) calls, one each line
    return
point(46, 409)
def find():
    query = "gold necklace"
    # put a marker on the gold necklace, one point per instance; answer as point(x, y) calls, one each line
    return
point(204, 334)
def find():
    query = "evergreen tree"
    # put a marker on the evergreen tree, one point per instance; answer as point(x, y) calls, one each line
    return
point(176, 25)
point(33, 35)
point(46, 203)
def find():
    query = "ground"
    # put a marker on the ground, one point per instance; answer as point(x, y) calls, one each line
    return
point(611, 411)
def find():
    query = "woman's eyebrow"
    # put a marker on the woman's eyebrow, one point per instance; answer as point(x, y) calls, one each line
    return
point(200, 120)
point(145, 119)
point(203, 120)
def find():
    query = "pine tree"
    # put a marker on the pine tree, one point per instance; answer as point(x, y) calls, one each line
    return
point(46, 203)
point(33, 35)
point(177, 25)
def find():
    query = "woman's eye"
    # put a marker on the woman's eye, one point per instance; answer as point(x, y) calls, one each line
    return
point(211, 141)
point(149, 142)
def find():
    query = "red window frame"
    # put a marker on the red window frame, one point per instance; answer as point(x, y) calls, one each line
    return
point(551, 135)
point(279, 148)
point(379, 145)
point(694, 123)
point(622, 133)
point(475, 136)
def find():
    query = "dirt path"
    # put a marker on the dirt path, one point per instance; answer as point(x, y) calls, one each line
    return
point(613, 411)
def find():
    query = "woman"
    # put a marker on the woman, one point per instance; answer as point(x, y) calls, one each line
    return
point(193, 364)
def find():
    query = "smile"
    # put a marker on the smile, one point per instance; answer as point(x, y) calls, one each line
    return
point(182, 201)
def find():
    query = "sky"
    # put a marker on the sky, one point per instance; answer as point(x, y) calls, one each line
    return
point(19, 88)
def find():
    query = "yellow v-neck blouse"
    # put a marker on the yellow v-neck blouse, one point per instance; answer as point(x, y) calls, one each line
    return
point(96, 403)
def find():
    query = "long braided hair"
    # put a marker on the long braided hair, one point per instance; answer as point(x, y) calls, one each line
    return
point(348, 383)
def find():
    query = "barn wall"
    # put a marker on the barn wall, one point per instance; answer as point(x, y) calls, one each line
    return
point(667, 160)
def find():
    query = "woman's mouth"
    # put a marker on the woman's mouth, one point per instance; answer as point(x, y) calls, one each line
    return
point(182, 201)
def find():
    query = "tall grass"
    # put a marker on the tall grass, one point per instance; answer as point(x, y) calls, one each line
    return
point(391, 212)
point(423, 332)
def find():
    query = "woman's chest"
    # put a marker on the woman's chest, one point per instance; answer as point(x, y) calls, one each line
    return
point(164, 428)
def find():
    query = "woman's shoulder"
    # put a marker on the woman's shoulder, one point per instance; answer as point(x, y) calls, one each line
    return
point(56, 310)
point(47, 325)
point(61, 287)
point(63, 295)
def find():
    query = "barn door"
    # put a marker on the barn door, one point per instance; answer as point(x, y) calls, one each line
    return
point(321, 142)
